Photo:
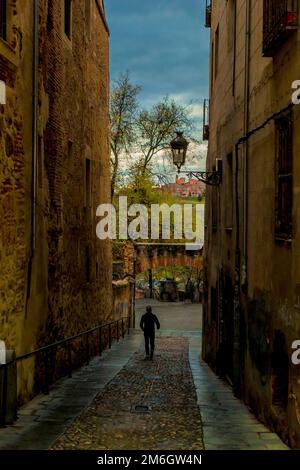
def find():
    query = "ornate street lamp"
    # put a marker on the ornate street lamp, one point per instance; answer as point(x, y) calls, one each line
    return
point(179, 147)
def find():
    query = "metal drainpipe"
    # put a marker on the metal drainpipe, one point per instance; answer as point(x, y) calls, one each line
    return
point(35, 61)
point(134, 286)
point(246, 145)
point(237, 282)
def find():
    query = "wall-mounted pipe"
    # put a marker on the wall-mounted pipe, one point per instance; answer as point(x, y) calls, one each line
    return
point(34, 162)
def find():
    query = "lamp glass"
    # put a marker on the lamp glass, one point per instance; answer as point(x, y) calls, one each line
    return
point(179, 148)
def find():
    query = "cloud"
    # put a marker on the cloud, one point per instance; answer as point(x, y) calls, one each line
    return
point(164, 46)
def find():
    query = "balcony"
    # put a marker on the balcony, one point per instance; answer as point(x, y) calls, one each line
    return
point(208, 14)
point(279, 22)
point(206, 120)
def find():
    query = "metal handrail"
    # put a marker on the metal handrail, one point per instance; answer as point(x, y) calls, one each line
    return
point(67, 342)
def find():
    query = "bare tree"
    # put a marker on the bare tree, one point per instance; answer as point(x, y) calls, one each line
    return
point(155, 129)
point(123, 110)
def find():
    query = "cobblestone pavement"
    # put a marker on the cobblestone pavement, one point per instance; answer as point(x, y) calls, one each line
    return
point(118, 419)
point(176, 385)
point(42, 420)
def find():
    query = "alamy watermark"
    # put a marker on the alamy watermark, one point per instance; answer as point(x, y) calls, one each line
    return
point(296, 354)
point(158, 222)
point(295, 358)
point(296, 93)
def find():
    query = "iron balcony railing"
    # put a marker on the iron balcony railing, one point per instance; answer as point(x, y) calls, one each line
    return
point(104, 335)
point(280, 19)
point(205, 119)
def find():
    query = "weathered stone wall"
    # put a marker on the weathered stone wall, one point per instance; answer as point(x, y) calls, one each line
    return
point(269, 269)
point(122, 299)
point(155, 256)
point(15, 172)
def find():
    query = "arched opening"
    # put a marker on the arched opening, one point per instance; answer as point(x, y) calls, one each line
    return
point(171, 283)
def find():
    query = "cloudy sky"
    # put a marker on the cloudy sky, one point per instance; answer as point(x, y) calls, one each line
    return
point(164, 46)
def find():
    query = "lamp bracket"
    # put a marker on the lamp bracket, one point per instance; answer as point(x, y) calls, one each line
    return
point(211, 178)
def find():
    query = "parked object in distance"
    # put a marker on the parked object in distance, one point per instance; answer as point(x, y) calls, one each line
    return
point(168, 291)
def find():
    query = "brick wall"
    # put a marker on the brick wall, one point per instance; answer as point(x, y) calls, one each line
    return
point(75, 86)
point(61, 285)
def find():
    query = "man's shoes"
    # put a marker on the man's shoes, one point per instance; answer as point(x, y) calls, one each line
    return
point(147, 358)
point(151, 356)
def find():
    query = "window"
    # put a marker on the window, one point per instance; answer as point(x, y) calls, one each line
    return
point(280, 19)
point(68, 18)
point(284, 183)
point(231, 20)
point(3, 19)
point(88, 18)
point(217, 38)
point(88, 183)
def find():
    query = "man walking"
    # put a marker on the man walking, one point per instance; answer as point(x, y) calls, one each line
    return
point(148, 322)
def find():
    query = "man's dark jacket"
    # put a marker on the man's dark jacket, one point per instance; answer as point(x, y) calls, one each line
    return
point(148, 322)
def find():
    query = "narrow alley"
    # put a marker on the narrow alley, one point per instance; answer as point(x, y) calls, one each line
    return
point(120, 401)
point(149, 240)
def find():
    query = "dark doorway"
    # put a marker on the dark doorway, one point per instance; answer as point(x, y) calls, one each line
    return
point(280, 374)
point(226, 325)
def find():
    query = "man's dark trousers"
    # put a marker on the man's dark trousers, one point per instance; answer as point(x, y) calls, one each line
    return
point(149, 338)
point(147, 324)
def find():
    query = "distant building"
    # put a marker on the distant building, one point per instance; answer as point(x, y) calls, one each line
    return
point(183, 188)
